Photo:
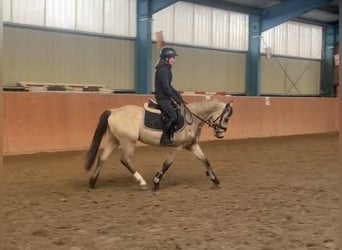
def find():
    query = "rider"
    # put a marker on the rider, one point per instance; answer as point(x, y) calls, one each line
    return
point(166, 95)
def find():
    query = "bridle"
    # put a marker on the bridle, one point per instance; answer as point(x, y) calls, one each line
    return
point(212, 123)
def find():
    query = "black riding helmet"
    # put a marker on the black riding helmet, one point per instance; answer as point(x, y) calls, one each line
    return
point(167, 53)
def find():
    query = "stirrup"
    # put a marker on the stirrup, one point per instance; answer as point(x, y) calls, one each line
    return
point(166, 141)
point(168, 144)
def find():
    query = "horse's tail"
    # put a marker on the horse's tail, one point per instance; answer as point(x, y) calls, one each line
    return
point(97, 138)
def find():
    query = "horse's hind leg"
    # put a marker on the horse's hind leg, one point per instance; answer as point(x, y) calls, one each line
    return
point(167, 163)
point(197, 151)
point(111, 145)
point(128, 150)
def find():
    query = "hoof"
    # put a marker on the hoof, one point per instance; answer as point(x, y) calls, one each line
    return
point(92, 183)
point(156, 188)
point(143, 187)
point(216, 187)
point(216, 182)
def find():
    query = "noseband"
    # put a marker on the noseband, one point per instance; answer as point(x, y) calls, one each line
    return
point(218, 125)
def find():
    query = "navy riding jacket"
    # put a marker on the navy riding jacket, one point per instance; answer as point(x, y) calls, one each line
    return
point(162, 83)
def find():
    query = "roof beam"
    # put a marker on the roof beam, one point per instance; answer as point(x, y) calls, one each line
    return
point(157, 5)
point(280, 13)
point(226, 6)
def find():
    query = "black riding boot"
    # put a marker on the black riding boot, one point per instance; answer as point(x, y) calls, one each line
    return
point(167, 136)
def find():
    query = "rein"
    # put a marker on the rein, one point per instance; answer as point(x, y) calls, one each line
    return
point(210, 124)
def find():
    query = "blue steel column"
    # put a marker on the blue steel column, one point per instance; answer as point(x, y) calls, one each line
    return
point(327, 66)
point(253, 57)
point(143, 48)
point(337, 33)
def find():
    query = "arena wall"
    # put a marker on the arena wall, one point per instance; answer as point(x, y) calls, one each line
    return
point(39, 55)
point(54, 121)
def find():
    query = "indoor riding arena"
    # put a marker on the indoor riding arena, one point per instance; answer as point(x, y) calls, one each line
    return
point(277, 164)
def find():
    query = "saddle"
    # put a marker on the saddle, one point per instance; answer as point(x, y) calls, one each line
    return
point(154, 118)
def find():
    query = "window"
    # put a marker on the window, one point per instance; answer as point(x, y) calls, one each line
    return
point(60, 13)
point(7, 9)
point(89, 15)
point(294, 39)
point(119, 17)
point(115, 17)
point(28, 11)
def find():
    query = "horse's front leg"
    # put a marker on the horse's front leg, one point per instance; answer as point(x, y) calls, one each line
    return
point(197, 151)
point(167, 163)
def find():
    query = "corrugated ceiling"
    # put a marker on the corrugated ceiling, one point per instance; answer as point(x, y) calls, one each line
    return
point(326, 14)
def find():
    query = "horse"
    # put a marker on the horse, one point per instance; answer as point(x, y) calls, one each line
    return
point(125, 126)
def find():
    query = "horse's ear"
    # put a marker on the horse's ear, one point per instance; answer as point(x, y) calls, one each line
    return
point(209, 97)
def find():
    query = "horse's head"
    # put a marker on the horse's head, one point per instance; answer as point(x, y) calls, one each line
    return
point(219, 120)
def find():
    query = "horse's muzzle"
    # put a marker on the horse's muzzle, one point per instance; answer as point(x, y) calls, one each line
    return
point(219, 136)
